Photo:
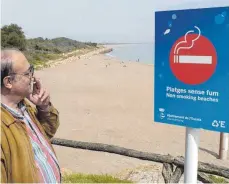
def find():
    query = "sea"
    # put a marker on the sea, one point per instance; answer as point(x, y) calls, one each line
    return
point(141, 52)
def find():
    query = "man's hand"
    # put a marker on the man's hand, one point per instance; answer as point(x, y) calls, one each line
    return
point(40, 96)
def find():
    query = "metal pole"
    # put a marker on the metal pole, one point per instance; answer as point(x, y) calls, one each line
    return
point(223, 147)
point(191, 155)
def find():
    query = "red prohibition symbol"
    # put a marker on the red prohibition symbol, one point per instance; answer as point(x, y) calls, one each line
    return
point(193, 58)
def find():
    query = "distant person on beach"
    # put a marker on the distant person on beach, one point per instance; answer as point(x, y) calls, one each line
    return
point(28, 122)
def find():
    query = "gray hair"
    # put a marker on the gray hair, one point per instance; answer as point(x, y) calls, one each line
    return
point(6, 62)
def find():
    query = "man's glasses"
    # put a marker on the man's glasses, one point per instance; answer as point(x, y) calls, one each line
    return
point(29, 72)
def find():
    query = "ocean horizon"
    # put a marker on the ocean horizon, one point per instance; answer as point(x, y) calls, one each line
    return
point(141, 52)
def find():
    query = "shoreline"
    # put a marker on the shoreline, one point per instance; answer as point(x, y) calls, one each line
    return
point(69, 58)
point(111, 57)
point(101, 50)
point(133, 53)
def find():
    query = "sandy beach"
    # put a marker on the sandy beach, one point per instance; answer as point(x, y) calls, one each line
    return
point(105, 100)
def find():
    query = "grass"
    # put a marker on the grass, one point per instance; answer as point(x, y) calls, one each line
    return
point(216, 179)
point(91, 178)
point(40, 59)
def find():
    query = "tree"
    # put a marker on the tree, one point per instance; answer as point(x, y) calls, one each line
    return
point(13, 36)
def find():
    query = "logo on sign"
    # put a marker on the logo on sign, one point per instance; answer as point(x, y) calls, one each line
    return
point(162, 114)
point(217, 124)
point(193, 58)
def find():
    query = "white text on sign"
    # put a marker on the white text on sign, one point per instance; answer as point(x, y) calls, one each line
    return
point(190, 94)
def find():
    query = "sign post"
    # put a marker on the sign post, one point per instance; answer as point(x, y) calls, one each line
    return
point(223, 148)
point(192, 75)
point(191, 155)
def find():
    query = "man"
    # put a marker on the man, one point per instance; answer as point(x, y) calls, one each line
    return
point(28, 122)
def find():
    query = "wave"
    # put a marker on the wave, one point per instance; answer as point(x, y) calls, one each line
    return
point(110, 55)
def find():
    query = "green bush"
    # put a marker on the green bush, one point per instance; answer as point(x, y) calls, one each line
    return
point(216, 179)
point(39, 50)
point(90, 178)
point(56, 50)
point(13, 37)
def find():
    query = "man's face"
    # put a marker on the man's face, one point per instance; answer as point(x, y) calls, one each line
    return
point(22, 77)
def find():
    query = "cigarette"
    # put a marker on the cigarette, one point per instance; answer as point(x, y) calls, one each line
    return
point(186, 59)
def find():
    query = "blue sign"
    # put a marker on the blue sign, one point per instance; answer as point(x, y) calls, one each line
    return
point(192, 68)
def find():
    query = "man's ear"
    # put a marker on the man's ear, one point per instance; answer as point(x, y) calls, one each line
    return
point(7, 81)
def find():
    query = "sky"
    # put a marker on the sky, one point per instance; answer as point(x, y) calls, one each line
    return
point(93, 20)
